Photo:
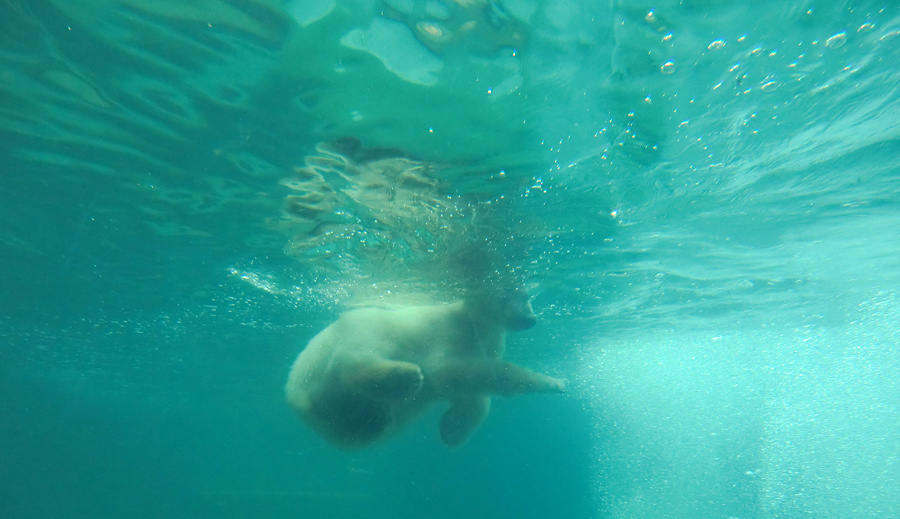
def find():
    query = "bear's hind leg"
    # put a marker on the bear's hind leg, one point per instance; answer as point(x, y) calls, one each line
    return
point(462, 419)
point(382, 379)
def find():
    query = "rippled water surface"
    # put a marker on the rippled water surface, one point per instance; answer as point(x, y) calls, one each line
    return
point(703, 199)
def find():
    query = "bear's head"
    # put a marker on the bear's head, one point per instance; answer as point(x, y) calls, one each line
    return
point(511, 308)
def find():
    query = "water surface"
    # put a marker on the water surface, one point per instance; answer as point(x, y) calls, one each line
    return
point(702, 198)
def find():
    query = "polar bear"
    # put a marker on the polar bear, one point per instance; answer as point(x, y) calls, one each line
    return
point(373, 371)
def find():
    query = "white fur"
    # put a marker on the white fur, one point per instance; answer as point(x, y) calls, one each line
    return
point(373, 371)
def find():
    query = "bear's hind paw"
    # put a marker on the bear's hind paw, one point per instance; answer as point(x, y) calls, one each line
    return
point(386, 380)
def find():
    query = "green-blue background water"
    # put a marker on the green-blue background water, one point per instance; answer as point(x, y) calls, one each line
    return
point(702, 197)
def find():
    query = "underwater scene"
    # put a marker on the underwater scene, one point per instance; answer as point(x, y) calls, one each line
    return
point(694, 207)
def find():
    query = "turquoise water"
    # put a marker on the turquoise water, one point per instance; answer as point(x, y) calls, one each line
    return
point(702, 198)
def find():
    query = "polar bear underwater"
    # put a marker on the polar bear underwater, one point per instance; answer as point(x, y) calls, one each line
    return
point(373, 371)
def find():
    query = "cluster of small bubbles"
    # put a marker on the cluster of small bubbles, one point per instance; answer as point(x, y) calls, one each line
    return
point(717, 44)
point(537, 186)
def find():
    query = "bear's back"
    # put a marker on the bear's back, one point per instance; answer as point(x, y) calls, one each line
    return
point(414, 333)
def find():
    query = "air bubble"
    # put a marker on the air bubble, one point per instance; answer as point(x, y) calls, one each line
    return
point(431, 30)
point(668, 67)
point(836, 41)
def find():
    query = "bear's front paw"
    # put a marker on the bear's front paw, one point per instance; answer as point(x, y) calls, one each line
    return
point(556, 385)
point(561, 385)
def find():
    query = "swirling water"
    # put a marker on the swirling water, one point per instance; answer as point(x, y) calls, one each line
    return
point(701, 197)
